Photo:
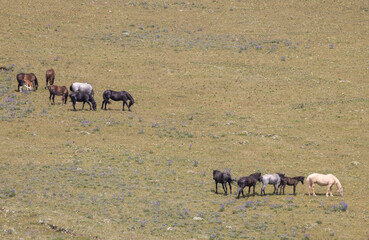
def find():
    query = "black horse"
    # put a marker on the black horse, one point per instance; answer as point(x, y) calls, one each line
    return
point(117, 96)
point(223, 178)
point(82, 97)
point(249, 181)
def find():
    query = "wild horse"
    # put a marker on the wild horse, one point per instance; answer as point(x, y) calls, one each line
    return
point(117, 96)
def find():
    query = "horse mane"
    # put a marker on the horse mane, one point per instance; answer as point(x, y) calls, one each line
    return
point(337, 182)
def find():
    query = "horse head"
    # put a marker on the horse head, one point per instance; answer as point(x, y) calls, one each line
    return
point(94, 105)
point(340, 191)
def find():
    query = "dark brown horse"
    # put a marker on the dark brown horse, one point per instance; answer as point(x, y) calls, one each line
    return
point(50, 77)
point(222, 178)
point(27, 79)
point(59, 91)
point(291, 182)
point(249, 181)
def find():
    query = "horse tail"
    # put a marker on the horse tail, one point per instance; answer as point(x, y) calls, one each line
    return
point(234, 181)
point(131, 100)
point(106, 96)
point(71, 87)
point(36, 83)
point(308, 183)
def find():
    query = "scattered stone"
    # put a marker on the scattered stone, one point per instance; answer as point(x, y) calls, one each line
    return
point(198, 218)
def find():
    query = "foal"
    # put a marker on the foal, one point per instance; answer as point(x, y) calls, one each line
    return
point(290, 182)
point(223, 178)
point(249, 181)
point(59, 91)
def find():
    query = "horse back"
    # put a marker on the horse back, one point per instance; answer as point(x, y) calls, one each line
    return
point(50, 73)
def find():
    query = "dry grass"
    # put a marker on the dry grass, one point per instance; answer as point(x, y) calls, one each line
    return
point(279, 86)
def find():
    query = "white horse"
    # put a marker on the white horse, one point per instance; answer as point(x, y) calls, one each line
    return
point(274, 179)
point(82, 88)
point(323, 180)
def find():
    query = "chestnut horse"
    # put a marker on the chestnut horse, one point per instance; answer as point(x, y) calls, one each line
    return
point(50, 77)
point(323, 180)
point(59, 91)
point(27, 79)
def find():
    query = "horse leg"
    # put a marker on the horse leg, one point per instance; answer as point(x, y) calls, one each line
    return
point(83, 105)
point(312, 187)
point(230, 187)
point(239, 192)
point(254, 189)
point(225, 188)
point(250, 190)
point(53, 99)
point(294, 189)
point(308, 187)
point(74, 106)
point(89, 104)
point(50, 98)
point(102, 106)
point(124, 102)
point(216, 187)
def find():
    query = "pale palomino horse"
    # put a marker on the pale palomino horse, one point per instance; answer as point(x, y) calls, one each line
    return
point(323, 180)
point(274, 179)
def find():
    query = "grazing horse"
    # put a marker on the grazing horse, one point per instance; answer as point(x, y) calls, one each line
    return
point(27, 79)
point(117, 96)
point(323, 180)
point(50, 77)
point(223, 178)
point(274, 179)
point(82, 87)
point(59, 91)
point(82, 97)
point(249, 181)
point(291, 182)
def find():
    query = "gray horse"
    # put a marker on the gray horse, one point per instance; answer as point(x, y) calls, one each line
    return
point(82, 88)
point(274, 179)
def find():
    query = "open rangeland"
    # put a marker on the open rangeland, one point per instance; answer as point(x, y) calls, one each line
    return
point(239, 86)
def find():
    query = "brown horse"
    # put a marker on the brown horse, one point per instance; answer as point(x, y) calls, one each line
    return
point(59, 91)
point(291, 182)
point(50, 77)
point(27, 79)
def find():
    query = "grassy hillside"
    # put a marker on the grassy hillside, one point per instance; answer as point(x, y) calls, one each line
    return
point(277, 86)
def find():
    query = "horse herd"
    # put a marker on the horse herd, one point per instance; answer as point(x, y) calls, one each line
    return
point(80, 92)
point(278, 180)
